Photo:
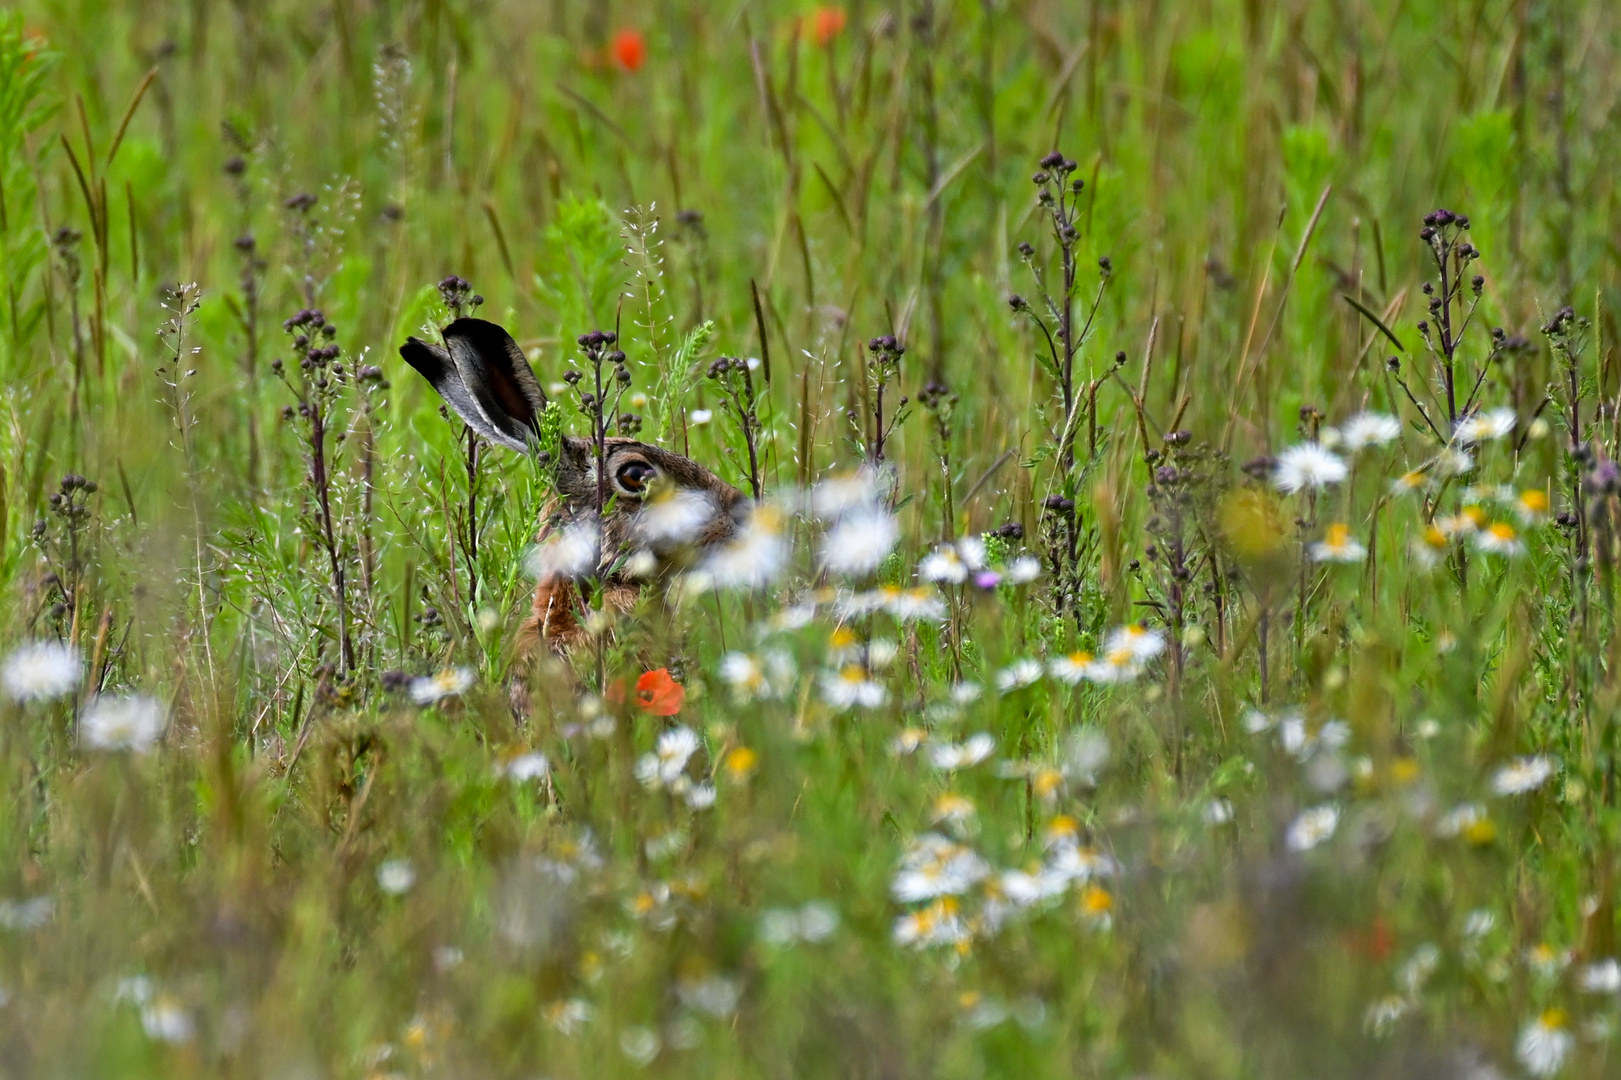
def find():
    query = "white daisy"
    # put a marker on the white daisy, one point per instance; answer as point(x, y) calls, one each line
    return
point(1136, 641)
point(1409, 482)
point(640, 565)
point(1086, 754)
point(1383, 1013)
point(1118, 666)
point(943, 565)
point(569, 1015)
point(936, 866)
point(672, 517)
point(1256, 722)
point(1460, 819)
point(837, 496)
point(745, 675)
point(1126, 649)
point(1602, 977)
point(1545, 1043)
point(41, 671)
point(908, 741)
point(952, 563)
point(1072, 668)
point(713, 995)
point(1486, 426)
point(569, 552)
point(1430, 546)
point(858, 605)
point(858, 543)
point(450, 682)
point(1079, 863)
point(1308, 465)
point(1023, 888)
point(1368, 429)
point(1522, 775)
point(753, 558)
point(1454, 462)
point(1479, 923)
point(530, 766)
point(964, 755)
point(1338, 545)
point(881, 652)
point(700, 417)
point(122, 723)
point(1023, 570)
point(1546, 961)
point(908, 605)
point(1531, 505)
point(815, 921)
point(1312, 827)
point(1019, 674)
point(953, 809)
point(1499, 538)
point(794, 616)
point(396, 876)
point(666, 764)
point(937, 924)
point(165, 1020)
point(28, 914)
point(1467, 520)
point(852, 687)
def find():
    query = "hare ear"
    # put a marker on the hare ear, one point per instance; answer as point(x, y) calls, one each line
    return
point(435, 365)
point(497, 376)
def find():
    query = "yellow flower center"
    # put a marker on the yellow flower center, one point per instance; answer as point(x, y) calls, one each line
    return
point(1534, 500)
point(741, 762)
point(1338, 536)
point(1063, 825)
point(1503, 531)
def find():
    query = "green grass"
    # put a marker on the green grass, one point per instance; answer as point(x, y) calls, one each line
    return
point(1255, 175)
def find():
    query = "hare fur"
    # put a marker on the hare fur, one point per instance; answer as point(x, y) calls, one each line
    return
point(482, 374)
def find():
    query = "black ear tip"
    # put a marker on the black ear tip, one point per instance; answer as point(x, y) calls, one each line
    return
point(469, 325)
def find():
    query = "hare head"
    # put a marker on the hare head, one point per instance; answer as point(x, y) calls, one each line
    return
point(653, 500)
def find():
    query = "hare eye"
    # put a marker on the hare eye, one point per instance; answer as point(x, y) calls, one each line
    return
point(633, 476)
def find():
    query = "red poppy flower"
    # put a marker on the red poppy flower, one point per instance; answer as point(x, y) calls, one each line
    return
point(629, 49)
point(659, 694)
point(827, 23)
point(1376, 942)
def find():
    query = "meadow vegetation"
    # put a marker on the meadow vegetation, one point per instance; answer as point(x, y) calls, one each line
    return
point(1176, 636)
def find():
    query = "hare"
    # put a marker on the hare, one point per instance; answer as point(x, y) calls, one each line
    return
point(483, 375)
